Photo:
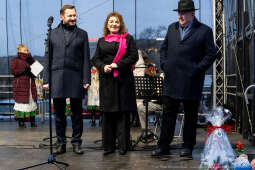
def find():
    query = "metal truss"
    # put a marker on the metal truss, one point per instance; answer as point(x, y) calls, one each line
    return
point(219, 65)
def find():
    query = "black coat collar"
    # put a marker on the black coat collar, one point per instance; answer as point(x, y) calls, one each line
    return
point(72, 37)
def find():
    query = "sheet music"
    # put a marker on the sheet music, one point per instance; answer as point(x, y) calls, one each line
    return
point(36, 68)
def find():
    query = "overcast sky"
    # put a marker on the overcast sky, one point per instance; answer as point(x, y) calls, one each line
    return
point(91, 16)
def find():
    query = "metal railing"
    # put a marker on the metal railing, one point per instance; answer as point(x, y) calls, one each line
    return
point(7, 103)
point(43, 103)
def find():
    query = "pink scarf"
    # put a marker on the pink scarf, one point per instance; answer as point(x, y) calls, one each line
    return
point(121, 38)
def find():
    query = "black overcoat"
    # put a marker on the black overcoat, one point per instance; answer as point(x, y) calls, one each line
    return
point(184, 62)
point(70, 63)
point(116, 93)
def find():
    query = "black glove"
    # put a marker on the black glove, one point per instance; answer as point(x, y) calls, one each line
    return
point(27, 70)
point(31, 75)
point(30, 60)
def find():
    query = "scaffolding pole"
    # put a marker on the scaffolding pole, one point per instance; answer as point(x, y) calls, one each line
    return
point(219, 65)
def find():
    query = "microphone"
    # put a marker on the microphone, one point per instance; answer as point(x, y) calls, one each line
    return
point(50, 20)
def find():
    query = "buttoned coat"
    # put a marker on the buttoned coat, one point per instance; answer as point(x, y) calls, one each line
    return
point(70, 63)
point(184, 62)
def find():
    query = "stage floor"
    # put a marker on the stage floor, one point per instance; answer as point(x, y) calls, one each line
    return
point(20, 148)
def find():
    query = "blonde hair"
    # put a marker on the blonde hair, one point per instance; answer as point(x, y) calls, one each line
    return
point(122, 25)
point(21, 46)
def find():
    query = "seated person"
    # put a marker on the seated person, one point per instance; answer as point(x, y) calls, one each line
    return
point(145, 67)
point(153, 106)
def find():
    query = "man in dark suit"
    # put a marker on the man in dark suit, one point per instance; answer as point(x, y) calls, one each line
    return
point(69, 49)
point(186, 53)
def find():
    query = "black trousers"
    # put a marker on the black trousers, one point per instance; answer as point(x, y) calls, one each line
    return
point(116, 125)
point(170, 111)
point(60, 119)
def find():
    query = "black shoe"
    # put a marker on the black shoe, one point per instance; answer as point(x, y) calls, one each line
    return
point(77, 149)
point(33, 124)
point(186, 152)
point(160, 152)
point(60, 149)
point(108, 152)
point(22, 124)
point(32, 121)
point(122, 152)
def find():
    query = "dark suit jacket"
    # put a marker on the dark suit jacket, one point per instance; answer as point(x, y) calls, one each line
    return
point(184, 62)
point(70, 63)
point(116, 93)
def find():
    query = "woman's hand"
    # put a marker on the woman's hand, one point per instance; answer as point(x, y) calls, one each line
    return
point(107, 68)
point(114, 65)
point(85, 86)
point(46, 86)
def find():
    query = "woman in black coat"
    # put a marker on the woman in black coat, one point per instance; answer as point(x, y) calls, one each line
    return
point(115, 55)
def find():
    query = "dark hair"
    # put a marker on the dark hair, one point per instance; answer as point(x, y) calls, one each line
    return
point(62, 10)
point(122, 25)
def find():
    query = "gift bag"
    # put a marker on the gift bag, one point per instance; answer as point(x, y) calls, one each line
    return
point(217, 148)
point(242, 163)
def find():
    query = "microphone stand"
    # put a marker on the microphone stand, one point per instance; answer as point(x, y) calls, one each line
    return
point(51, 158)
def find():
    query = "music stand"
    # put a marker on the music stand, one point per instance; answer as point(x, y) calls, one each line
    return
point(147, 88)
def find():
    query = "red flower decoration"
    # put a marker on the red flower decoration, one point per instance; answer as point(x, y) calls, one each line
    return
point(94, 70)
point(217, 166)
point(151, 68)
point(52, 109)
point(239, 145)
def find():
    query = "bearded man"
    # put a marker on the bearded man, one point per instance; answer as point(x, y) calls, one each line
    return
point(70, 68)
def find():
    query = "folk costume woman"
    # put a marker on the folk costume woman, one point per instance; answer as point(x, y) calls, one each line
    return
point(115, 55)
point(24, 88)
